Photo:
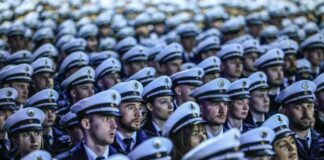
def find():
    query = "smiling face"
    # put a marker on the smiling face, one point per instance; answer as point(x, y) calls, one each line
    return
point(285, 148)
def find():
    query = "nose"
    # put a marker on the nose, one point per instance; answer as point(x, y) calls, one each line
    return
point(113, 124)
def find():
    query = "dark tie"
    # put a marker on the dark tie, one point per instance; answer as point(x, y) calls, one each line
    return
point(101, 158)
point(48, 139)
point(160, 133)
point(304, 143)
point(128, 143)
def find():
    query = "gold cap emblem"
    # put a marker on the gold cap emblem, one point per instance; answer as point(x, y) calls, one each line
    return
point(9, 93)
point(30, 113)
point(263, 134)
point(157, 144)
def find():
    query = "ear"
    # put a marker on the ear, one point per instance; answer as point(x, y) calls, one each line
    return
point(157, 67)
point(149, 107)
point(222, 67)
point(177, 90)
point(85, 123)
point(72, 93)
point(162, 68)
point(283, 110)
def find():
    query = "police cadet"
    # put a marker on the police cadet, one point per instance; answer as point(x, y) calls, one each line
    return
point(256, 143)
point(298, 104)
point(129, 133)
point(108, 74)
point(187, 33)
point(304, 70)
point(134, 60)
point(8, 98)
point(90, 33)
point(312, 49)
point(169, 59)
point(47, 50)
point(43, 36)
point(24, 129)
point(232, 65)
point(17, 77)
point(54, 140)
point(155, 148)
point(70, 124)
point(97, 119)
point(238, 107)
point(211, 148)
point(290, 48)
point(16, 37)
point(145, 75)
point(259, 101)
point(185, 128)
point(284, 143)
point(183, 84)
point(319, 104)
point(213, 99)
point(43, 71)
point(206, 48)
point(250, 54)
point(211, 68)
point(271, 63)
point(159, 102)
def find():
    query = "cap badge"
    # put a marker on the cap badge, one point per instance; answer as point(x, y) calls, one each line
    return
point(221, 83)
point(279, 119)
point(112, 61)
point(192, 107)
point(214, 60)
point(166, 81)
point(148, 73)
point(263, 134)
point(27, 69)
point(135, 85)
point(9, 93)
point(199, 73)
point(46, 62)
point(114, 96)
point(244, 83)
point(157, 144)
point(305, 85)
point(261, 76)
point(30, 113)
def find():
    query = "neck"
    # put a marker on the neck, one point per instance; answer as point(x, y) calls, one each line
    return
point(274, 90)
point(258, 117)
point(215, 130)
point(235, 123)
point(95, 147)
point(125, 133)
point(158, 122)
point(300, 133)
point(46, 130)
point(247, 73)
point(178, 100)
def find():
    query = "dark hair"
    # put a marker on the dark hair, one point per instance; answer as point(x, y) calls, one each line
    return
point(181, 141)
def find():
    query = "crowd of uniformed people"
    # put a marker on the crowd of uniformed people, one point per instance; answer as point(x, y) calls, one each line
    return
point(162, 80)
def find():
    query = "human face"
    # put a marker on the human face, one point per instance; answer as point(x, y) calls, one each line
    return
point(315, 56)
point(239, 108)
point(198, 135)
point(109, 80)
point(249, 60)
point(320, 100)
point(232, 67)
point(142, 30)
point(300, 115)
point(172, 66)
point(16, 43)
point(275, 75)
point(104, 31)
point(43, 81)
point(259, 101)
point(131, 115)
point(28, 141)
point(50, 117)
point(134, 67)
point(22, 89)
point(290, 66)
point(159, 28)
point(214, 112)
point(209, 77)
point(285, 148)
point(188, 43)
point(162, 107)
point(102, 129)
point(82, 91)
point(92, 43)
point(185, 92)
point(4, 114)
point(209, 53)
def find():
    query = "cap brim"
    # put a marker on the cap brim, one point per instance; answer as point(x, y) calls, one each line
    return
point(242, 96)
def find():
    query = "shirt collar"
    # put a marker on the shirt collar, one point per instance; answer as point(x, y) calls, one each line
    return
point(157, 128)
point(92, 156)
point(308, 138)
point(120, 138)
point(50, 132)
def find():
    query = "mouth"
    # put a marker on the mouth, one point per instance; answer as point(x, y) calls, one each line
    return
point(220, 116)
point(34, 147)
point(294, 155)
